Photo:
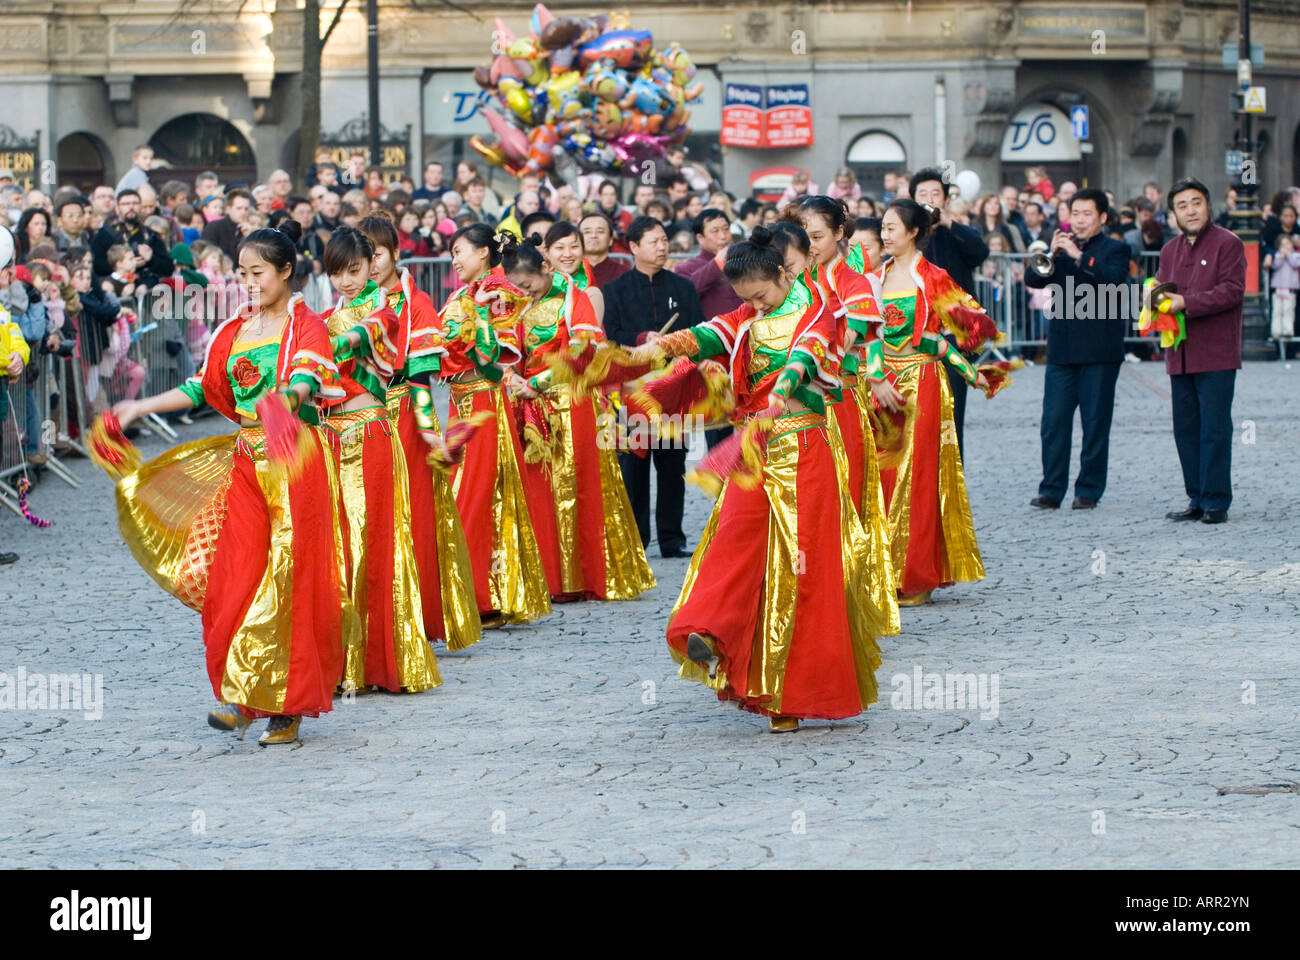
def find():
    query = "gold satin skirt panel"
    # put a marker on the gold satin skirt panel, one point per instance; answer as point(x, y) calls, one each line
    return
point(909, 449)
point(388, 600)
point(517, 587)
point(437, 517)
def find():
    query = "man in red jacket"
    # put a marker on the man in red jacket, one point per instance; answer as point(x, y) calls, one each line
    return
point(1208, 263)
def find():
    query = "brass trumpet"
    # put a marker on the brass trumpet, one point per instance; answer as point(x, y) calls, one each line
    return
point(1042, 263)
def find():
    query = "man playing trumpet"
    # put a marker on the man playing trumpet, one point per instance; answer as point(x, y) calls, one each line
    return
point(1085, 347)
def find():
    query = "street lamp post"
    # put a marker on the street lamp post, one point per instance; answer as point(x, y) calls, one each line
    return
point(1245, 216)
point(372, 75)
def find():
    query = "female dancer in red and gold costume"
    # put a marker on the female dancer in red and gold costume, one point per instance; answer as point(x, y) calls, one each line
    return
point(776, 612)
point(565, 252)
point(580, 510)
point(369, 342)
point(851, 298)
point(256, 546)
point(446, 581)
point(932, 535)
point(475, 343)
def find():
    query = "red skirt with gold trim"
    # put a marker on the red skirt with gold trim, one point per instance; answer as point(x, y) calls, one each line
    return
point(260, 555)
point(779, 581)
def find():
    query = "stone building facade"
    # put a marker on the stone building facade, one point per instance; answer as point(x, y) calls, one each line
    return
point(988, 88)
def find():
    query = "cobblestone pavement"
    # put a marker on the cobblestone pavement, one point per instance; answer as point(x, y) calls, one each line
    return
point(1140, 667)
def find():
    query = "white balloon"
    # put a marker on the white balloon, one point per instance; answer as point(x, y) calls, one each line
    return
point(6, 247)
point(968, 182)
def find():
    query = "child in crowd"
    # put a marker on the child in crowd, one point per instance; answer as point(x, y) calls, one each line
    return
point(214, 207)
point(160, 226)
point(104, 342)
point(1285, 265)
point(121, 281)
point(236, 292)
point(43, 281)
point(185, 214)
point(434, 241)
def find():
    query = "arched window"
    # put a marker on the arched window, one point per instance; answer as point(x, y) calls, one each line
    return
point(873, 154)
point(83, 161)
point(195, 142)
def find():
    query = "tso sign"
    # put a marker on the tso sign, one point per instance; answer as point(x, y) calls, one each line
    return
point(1039, 133)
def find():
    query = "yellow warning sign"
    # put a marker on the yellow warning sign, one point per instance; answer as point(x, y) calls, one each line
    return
point(1253, 101)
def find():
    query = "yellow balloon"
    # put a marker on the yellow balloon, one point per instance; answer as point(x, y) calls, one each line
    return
point(520, 104)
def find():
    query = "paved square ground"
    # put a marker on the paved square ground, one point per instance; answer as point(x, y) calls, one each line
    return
point(1140, 667)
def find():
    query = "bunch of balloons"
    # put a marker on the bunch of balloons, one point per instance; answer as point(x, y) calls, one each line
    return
point(583, 95)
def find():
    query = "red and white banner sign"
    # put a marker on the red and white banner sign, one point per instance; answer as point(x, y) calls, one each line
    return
point(778, 115)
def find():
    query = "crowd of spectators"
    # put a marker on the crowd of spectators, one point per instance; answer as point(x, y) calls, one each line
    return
point(84, 261)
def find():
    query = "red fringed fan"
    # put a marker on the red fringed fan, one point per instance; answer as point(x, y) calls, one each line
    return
point(685, 389)
point(450, 449)
point(110, 449)
point(592, 366)
point(288, 443)
point(738, 458)
point(971, 327)
point(998, 375)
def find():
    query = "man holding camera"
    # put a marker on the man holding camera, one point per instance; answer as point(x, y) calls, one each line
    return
point(1085, 348)
point(154, 262)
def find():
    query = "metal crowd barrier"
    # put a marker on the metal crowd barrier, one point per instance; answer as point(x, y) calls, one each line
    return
point(1019, 311)
point(1022, 312)
point(44, 418)
point(47, 416)
point(14, 432)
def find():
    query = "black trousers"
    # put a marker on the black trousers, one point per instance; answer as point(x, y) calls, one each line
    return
point(959, 387)
point(1203, 434)
point(1089, 387)
point(670, 464)
point(715, 437)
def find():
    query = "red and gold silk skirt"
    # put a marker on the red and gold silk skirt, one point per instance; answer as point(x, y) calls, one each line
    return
point(260, 555)
point(391, 650)
point(446, 581)
point(855, 456)
point(586, 531)
point(931, 532)
point(509, 580)
point(779, 581)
